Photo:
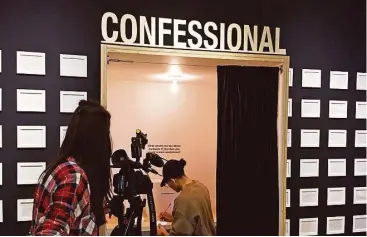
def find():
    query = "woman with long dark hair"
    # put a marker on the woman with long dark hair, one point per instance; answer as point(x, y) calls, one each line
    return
point(71, 192)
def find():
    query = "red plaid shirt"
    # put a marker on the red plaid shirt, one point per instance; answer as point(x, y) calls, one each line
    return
point(62, 203)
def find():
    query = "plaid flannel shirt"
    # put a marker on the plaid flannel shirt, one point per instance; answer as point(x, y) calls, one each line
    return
point(62, 203)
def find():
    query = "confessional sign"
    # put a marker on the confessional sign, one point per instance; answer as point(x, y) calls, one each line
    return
point(183, 34)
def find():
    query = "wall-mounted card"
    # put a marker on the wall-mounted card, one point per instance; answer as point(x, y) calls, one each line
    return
point(359, 223)
point(31, 63)
point(337, 138)
point(338, 109)
point(335, 225)
point(310, 108)
point(310, 138)
point(290, 77)
point(1, 173)
point(73, 65)
point(361, 110)
point(1, 99)
point(308, 197)
point(361, 138)
point(335, 196)
point(337, 167)
point(361, 81)
point(288, 198)
point(287, 227)
point(31, 100)
point(31, 136)
point(311, 78)
point(24, 209)
point(63, 130)
point(1, 211)
point(289, 138)
point(0, 61)
point(69, 100)
point(1, 136)
point(360, 195)
point(360, 167)
point(289, 107)
point(289, 168)
point(309, 168)
point(29, 172)
point(308, 226)
point(339, 80)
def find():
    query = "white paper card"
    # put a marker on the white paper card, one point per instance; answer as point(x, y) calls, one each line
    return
point(360, 195)
point(31, 63)
point(287, 227)
point(311, 78)
point(29, 172)
point(289, 168)
point(1, 136)
point(335, 225)
point(309, 168)
point(337, 167)
point(338, 109)
point(361, 110)
point(308, 197)
point(288, 198)
point(73, 65)
point(338, 80)
point(310, 109)
point(290, 77)
point(31, 100)
point(31, 136)
point(310, 138)
point(289, 107)
point(361, 81)
point(359, 223)
point(308, 226)
point(1, 211)
point(24, 209)
point(337, 138)
point(0, 61)
point(63, 130)
point(360, 167)
point(1, 173)
point(69, 100)
point(289, 138)
point(335, 196)
point(361, 138)
point(1, 99)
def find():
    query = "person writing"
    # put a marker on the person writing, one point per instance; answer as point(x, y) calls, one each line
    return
point(192, 213)
point(70, 196)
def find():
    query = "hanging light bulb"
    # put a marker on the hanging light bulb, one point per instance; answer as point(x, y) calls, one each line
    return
point(174, 86)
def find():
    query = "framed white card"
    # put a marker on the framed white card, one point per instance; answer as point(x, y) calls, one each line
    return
point(310, 138)
point(287, 227)
point(361, 81)
point(359, 223)
point(290, 77)
point(31, 136)
point(310, 108)
point(360, 167)
point(311, 78)
point(360, 195)
point(31, 100)
point(361, 110)
point(308, 197)
point(338, 109)
point(337, 138)
point(309, 168)
point(1, 99)
point(24, 209)
point(29, 172)
point(339, 80)
point(69, 100)
point(335, 225)
point(63, 130)
point(288, 198)
point(73, 65)
point(289, 168)
point(1, 136)
point(336, 196)
point(361, 138)
point(308, 226)
point(1, 211)
point(32, 63)
point(289, 107)
point(289, 138)
point(337, 167)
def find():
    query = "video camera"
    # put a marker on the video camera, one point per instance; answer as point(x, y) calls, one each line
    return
point(129, 183)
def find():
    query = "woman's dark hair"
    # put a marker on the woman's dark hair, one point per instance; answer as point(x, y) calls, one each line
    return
point(88, 141)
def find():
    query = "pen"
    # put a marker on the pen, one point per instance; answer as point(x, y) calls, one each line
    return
point(168, 207)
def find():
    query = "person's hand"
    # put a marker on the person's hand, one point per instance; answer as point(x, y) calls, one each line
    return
point(161, 231)
point(165, 216)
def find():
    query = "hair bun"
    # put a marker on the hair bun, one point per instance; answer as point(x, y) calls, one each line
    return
point(182, 162)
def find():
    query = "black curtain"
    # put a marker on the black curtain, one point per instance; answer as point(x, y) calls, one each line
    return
point(247, 156)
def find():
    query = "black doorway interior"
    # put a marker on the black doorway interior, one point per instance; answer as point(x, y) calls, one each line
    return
point(247, 156)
